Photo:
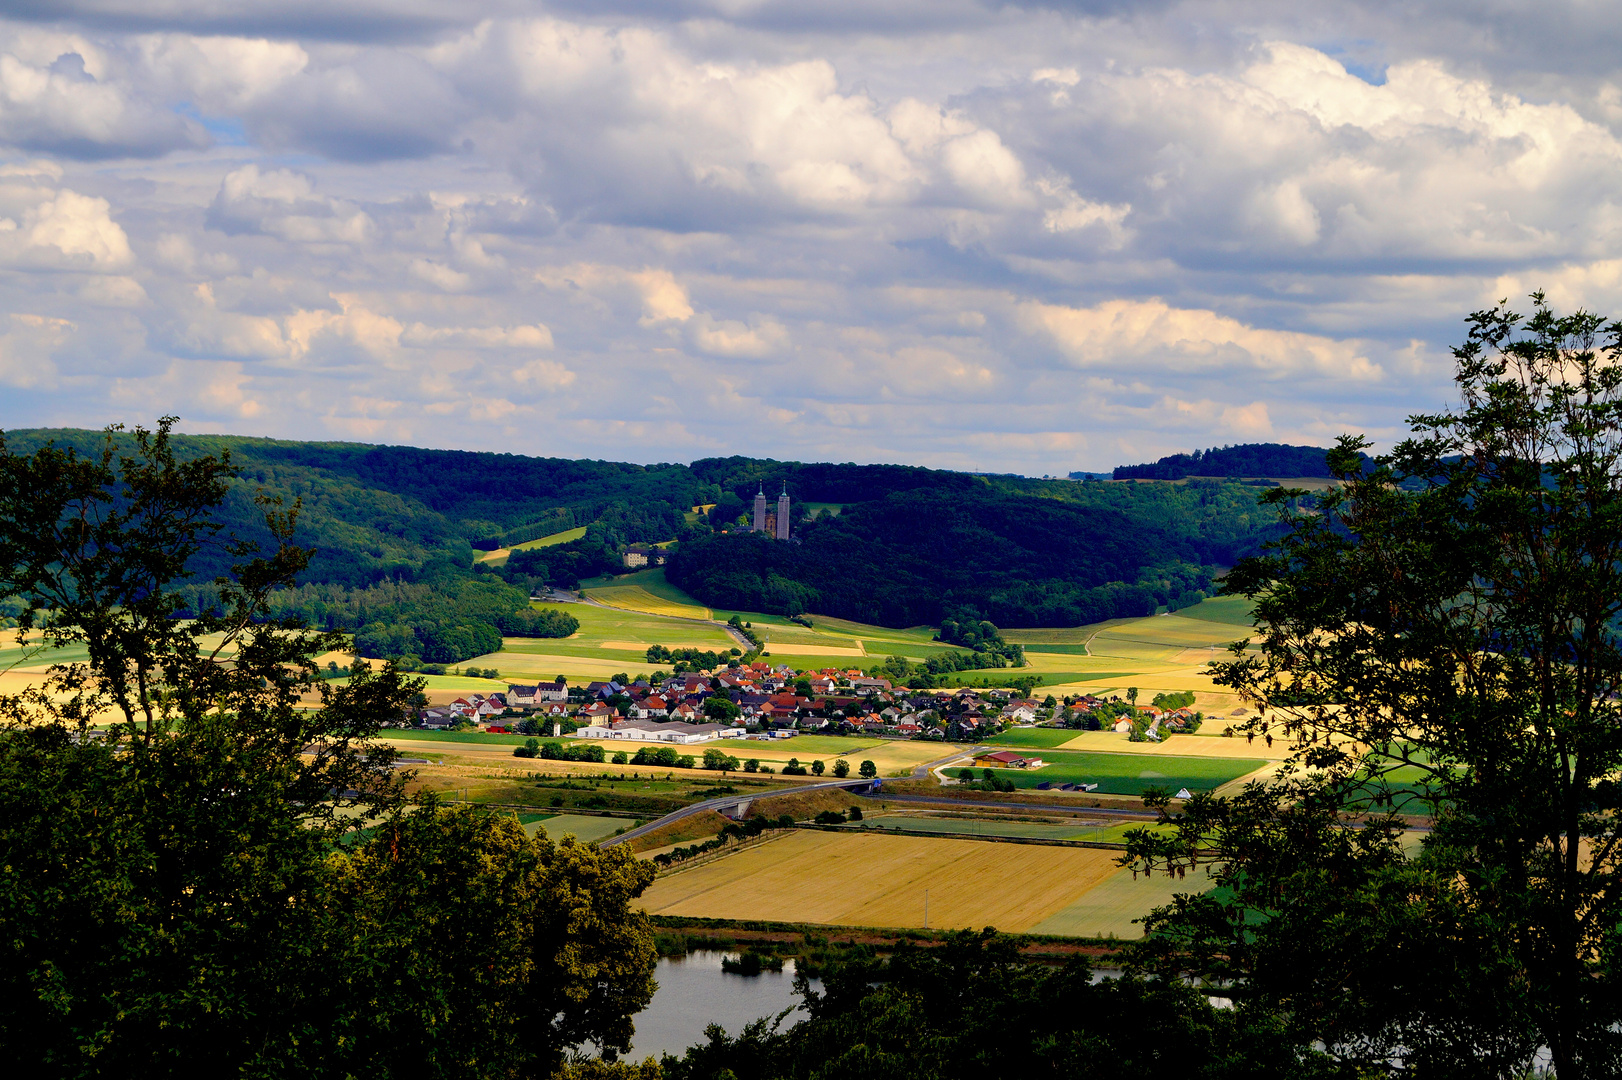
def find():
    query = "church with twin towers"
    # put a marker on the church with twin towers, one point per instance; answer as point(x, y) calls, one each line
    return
point(774, 524)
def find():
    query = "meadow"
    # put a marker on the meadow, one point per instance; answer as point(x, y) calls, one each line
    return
point(1130, 774)
point(1032, 737)
point(499, 556)
point(645, 591)
point(873, 879)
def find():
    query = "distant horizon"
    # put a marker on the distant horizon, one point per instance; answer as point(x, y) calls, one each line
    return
point(179, 431)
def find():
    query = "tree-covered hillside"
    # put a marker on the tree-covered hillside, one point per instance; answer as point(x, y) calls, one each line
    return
point(996, 549)
point(1249, 459)
point(396, 531)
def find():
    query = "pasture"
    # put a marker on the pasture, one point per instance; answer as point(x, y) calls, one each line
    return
point(646, 591)
point(1032, 737)
point(1130, 774)
point(499, 556)
point(1111, 908)
point(871, 879)
point(587, 828)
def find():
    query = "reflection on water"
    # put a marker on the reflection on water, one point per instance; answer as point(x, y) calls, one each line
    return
point(694, 992)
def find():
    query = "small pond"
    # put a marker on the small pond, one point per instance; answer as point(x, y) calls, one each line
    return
point(694, 992)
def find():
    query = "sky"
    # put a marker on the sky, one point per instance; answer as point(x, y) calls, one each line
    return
point(1028, 238)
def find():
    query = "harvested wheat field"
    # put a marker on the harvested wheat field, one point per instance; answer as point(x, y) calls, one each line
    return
point(868, 879)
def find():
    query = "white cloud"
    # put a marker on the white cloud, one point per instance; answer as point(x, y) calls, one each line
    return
point(61, 104)
point(60, 229)
point(1149, 335)
point(283, 203)
point(931, 240)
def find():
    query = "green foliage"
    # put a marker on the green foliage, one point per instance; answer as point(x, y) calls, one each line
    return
point(1176, 699)
point(841, 768)
point(867, 770)
point(1078, 554)
point(663, 756)
point(720, 760)
point(1438, 636)
point(193, 893)
point(1249, 459)
point(970, 1010)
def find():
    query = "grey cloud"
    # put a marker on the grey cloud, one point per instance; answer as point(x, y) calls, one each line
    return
point(59, 108)
point(319, 20)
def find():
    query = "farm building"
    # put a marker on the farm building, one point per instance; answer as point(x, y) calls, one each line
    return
point(675, 731)
point(1008, 759)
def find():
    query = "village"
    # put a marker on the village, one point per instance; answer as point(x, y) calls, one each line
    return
point(763, 701)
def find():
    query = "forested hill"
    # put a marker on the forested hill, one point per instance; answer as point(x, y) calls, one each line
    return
point(397, 532)
point(1019, 553)
point(1249, 459)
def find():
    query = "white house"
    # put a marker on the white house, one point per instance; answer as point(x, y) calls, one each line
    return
point(675, 731)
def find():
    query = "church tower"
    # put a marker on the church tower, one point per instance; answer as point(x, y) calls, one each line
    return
point(760, 509)
point(782, 513)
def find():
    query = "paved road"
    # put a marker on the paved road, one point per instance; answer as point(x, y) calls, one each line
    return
point(728, 802)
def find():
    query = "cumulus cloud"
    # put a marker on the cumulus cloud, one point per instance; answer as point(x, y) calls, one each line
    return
point(283, 203)
point(1135, 335)
point(1091, 238)
point(56, 105)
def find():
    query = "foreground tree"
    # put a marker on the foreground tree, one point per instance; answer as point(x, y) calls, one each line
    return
point(1439, 638)
point(185, 887)
point(970, 1009)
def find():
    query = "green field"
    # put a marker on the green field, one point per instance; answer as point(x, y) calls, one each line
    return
point(1233, 610)
point(1130, 774)
point(585, 827)
point(1042, 737)
point(567, 536)
point(1110, 908)
point(609, 641)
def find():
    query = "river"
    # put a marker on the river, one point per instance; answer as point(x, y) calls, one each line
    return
point(694, 992)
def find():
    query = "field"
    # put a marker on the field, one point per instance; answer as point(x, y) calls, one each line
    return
point(645, 591)
point(869, 879)
point(609, 641)
point(892, 757)
point(1130, 774)
point(584, 827)
point(1033, 737)
point(1078, 829)
point(499, 556)
point(1111, 908)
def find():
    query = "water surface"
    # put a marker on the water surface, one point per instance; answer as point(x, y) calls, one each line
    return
point(694, 992)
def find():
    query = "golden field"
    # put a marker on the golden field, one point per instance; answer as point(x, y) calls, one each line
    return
point(869, 879)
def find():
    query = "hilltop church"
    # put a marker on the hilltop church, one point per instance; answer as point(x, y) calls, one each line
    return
point(774, 524)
